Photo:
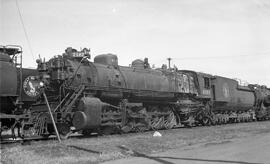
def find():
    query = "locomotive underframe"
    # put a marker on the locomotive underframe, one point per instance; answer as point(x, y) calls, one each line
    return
point(129, 113)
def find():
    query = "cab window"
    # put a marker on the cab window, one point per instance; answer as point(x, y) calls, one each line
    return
point(206, 83)
point(186, 84)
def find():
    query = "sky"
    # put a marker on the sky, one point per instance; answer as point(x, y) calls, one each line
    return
point(229, 38)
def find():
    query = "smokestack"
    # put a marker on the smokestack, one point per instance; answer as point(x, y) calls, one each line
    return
point(169, 60)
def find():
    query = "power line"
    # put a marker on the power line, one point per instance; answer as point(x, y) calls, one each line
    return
point(24, 29)
point(218, 57)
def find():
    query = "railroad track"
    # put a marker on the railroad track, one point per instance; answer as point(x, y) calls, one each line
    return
point(22, 141)
point(7, 139)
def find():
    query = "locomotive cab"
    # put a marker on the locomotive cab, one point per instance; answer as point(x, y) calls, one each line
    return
point(198, 82)
point(205, 85)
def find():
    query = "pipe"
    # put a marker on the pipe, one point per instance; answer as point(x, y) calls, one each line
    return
point(49, 109)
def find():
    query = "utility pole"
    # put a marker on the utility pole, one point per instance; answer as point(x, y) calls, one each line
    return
point(169, 60)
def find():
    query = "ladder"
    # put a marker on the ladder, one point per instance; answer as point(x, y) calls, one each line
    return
point(18, 64)
point(69, 100)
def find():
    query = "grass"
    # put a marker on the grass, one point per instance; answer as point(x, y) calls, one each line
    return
point(105, 148)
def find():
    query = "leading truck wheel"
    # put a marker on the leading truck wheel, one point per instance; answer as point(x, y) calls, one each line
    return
point(64, 130)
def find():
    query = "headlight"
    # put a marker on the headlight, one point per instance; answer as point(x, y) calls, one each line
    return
point(41, 84)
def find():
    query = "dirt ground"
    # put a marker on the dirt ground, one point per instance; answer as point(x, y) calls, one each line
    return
point(253, 149)
point(107, 148)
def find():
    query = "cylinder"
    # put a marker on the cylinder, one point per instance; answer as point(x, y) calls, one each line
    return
point(88, 115)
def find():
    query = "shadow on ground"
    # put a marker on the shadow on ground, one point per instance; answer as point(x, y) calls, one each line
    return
point(160, 159)
point(84, 149)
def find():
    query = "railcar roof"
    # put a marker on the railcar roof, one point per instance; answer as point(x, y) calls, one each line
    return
point(10, 50)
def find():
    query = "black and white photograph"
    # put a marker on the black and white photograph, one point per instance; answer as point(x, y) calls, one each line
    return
point(135, 81)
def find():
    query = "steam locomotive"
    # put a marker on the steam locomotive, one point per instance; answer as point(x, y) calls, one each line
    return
point(16, 89)
point(105, 98)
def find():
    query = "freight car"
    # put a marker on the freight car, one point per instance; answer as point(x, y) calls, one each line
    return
point(17, 89)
